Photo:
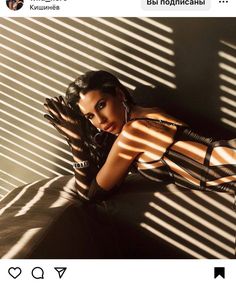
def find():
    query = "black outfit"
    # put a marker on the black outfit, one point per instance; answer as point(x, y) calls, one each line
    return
point(202, 172)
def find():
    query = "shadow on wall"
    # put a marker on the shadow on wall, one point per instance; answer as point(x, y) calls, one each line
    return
point(40, 57)
point(205, 62)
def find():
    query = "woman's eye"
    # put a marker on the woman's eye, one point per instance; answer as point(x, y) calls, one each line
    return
point(101, 105)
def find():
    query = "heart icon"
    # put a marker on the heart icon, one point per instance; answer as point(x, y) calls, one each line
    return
point(14, 272)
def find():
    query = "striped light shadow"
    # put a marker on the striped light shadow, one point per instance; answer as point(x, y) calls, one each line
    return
point(4, 189)
point(230, 102)
point(21, 243)
point(192, 230)
point(227, 56)
point(20, 206)
point(157, 24)
point(42, 55)
point(227, 77)
point(32, 60)
point(46, 151)
point(227, 197)
point(36, 198)
point(185, 236)
point(127, 45)
point(170, 240)
point(13, 177)
point(94, 49)
point(20, 164)
point(74, 50)
point(142, 48)
point(12, 158)
point(32, 153)
point(32, 108)
point(113, 47)
point(36, 128)
point(228, 111)
point(23, 112)
point(190, 226)
point(157, 142)
point(20, 93)
point(24, 85)
point(26, 67)
point(196, 218)
point(180, 228)
point(205, 208)
point(148, 31)
point(3, 180)
point(227, 68)
point(228, 90)
point(136, 36)
point(44, 46)
point(39, 139)
point(56, 52)
point(228, 122)
point(19, 73)
point(37, 119)
point(65, 194)
point(228, 44)
point(52, 52)
point(17, 197)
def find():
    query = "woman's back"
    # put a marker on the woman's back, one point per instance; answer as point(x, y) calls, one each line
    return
point(173, 151)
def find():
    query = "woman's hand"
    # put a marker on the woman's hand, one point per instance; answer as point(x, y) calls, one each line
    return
point(64, 119)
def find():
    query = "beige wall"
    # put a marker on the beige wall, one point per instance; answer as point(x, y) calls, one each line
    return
point(194, 58)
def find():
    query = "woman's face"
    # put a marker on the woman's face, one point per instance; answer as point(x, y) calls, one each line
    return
point(105, 111)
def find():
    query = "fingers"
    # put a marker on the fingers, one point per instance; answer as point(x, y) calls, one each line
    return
point(51, 119)
point(65, 111)
point(54, 122)
point(52, 109)
point(56, 107)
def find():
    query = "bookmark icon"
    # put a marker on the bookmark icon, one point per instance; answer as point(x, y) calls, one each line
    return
point(60, 271)
point(219, 271)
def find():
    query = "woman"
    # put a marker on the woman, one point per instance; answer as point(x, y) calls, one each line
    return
point(18, 4)
point(10, 4)
point(159, 146)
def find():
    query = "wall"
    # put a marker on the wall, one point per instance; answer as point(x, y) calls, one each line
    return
point(188, 62)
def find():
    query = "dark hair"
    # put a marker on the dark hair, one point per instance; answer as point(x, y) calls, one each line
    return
point(106, 83)
point(95, 80)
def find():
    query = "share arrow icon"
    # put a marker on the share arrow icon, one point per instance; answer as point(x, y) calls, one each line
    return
point(60, 271)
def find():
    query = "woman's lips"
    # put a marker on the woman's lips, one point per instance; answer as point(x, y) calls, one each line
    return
point(110, 127)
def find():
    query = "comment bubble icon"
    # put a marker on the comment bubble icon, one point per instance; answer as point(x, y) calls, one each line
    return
point(37, 273)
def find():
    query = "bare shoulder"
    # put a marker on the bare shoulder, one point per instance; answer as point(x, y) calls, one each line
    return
point(141, 127)
point(156, 113)
point(141, 133)
point(138, 128)
point(131, 136)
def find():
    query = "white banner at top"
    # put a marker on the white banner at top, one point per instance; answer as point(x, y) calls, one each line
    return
point(116, 8)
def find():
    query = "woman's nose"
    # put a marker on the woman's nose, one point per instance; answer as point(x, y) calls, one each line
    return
point(101, 119)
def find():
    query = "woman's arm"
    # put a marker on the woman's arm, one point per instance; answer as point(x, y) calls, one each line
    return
point(70, 126)
point(137, 137)
point(122, 154)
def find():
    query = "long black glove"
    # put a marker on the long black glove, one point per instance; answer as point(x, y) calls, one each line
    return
point(85, 143)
